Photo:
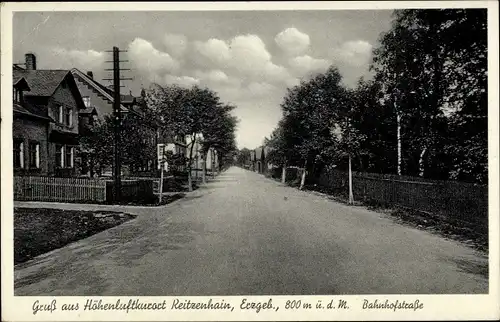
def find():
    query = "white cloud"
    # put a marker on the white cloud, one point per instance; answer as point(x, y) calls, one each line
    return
point(214, 75)
point(246, 55)
point(292, 82)
point(175, 44)
point(215, 50)
point(82, 59)
point(307, 64)
point(185, 81)
point(354, 52)
point(256, 89)
point(249, 51)
point(149, 60)
point(292, 41)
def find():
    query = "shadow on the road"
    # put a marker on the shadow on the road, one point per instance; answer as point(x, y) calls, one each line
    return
point(224, 180)
point(472, 267)
point(193, 197)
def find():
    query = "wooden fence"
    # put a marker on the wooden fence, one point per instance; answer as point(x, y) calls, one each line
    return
point(31, 188)
point(131, 190)
point(457, 200)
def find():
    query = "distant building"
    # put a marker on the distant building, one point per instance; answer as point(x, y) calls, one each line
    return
point(46, 105)
point(212, 159)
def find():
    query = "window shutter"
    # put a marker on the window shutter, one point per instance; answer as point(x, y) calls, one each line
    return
point(37, 155)
point(70, 117)
point(21, 154)
point(72, 150)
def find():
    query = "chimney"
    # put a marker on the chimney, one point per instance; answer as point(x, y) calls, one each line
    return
point(30, 61)
point(90, 74)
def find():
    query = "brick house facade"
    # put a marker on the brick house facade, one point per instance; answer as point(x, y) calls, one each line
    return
point(45, 121)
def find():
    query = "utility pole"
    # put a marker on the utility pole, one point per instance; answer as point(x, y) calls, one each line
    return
point(117, 122)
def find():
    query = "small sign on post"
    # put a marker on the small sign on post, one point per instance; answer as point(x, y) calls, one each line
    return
point(161, 154)
point(162, 163)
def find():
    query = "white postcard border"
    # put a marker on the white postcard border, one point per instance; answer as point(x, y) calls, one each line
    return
point(436, 307)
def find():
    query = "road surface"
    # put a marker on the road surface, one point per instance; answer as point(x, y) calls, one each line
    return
point(246, 234)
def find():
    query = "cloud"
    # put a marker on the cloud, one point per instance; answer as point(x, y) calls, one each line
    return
point(245, 55)
point(149, 60)
point(176, 44)
point(292, 41)
point(184, 81)
point(306, 64)
point(292, 82)
point(256, 89)
point(216, 50)
point(355, 53)
point(214, 75)
point(81, 59)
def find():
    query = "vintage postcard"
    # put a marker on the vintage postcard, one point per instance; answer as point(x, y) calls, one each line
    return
point(250, 161)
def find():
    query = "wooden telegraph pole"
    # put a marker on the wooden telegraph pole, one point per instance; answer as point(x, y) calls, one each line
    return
point(117, 121)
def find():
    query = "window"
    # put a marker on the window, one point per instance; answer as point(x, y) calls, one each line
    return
point(86, 101)
point(59, 156)
point(68, 117)
point(69, 152)
point(17, 95)
point(34, 151)
point(60, 113)
point(18, 154)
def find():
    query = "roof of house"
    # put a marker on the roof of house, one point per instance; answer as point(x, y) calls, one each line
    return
point(42, 82)
point(125, 99)
point(88, 110)
point(103, 90)
point(20, 81)
point(31, 110)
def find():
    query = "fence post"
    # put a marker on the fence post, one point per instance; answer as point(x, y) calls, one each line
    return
point(351, 196)
point(160, 192)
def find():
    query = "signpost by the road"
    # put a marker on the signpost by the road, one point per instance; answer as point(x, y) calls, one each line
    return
point(161, 164)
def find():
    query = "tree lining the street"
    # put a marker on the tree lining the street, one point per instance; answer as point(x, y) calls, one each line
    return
point(137, 148)
point(198, 114)
point(424, 113)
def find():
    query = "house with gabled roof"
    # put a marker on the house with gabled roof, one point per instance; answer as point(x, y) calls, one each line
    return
point(99, 101)
point(46, 105)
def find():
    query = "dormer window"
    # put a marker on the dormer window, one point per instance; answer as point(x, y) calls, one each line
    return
point(68, 117)
point(17, 95)
point(60, 113)
point(18, 87)
point(86, 101)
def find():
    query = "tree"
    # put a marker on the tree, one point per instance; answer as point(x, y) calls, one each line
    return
point(137, 150)
point(309, 113)
point(243, 157)
point(281, 149)
point(375, 121)
point(97, 147)
point(195, 113)
point(218, 133)
point(432, 66)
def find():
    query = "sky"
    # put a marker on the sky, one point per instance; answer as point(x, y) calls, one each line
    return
point(249, 58)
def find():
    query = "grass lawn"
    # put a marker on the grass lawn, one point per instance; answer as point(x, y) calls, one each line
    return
point(37, 231)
